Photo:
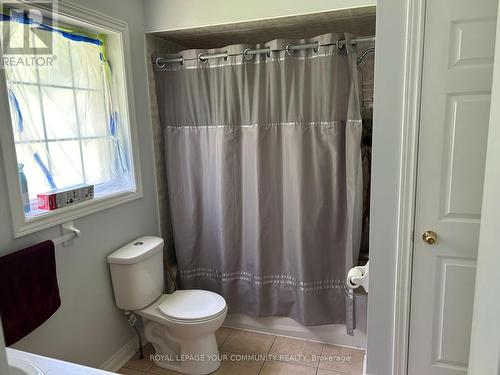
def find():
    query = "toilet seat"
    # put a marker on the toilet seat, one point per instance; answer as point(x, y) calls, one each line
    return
point(192, 305)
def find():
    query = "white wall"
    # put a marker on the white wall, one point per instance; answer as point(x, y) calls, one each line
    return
point(88, 328)
point(485, 340)
point(163, 15)
point(386, 164)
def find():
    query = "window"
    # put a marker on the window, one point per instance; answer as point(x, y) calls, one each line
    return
point(68, 110)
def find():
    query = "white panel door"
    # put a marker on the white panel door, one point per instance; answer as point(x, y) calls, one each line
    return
point(457, 74)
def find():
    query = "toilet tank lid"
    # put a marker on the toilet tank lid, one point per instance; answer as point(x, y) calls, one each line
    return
point(137, 250)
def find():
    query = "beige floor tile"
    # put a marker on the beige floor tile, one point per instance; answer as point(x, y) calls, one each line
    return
point(342, 359)
point(235, 365)
point(284, 368)
point(148, 350)
point(300, 352)
point(139, 364)
point(222, 334)
point(156, 370)
point(128, 371)
point(246, 342)
point(328, 372)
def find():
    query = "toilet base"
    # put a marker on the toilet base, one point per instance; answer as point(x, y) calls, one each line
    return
point(192, 369)
point(188, 354)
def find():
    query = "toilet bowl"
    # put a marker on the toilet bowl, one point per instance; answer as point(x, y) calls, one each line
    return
point(181, 326)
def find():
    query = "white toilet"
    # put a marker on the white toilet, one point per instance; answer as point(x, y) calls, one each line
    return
point(181, 326)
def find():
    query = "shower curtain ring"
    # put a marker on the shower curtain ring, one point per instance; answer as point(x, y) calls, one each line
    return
point(289, 49)
point(157, 62)
point(246, 55)
point(201, 59)
point(316, 49)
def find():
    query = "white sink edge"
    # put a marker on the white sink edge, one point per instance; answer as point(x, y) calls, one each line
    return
point(52, 366)
point(19, 366)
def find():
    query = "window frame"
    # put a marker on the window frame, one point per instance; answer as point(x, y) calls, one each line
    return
point(119, 34)
point(72, 90)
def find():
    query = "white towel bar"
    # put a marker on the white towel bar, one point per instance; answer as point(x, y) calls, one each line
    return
point(69, 232)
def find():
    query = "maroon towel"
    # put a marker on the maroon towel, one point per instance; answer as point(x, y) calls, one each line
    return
point(29, 294)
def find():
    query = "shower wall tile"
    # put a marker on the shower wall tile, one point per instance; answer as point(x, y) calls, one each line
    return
point(366, 73)
point(358, 21)
point(155, 46)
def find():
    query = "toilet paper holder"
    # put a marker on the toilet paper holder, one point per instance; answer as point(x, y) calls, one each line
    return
point(358, 276)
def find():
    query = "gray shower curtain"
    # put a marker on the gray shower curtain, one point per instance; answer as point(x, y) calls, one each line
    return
point(264, 177)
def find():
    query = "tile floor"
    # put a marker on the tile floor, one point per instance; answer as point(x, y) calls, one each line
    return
point(268, 355)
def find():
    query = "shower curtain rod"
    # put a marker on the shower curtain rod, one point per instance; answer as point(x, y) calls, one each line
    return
point(249, 53)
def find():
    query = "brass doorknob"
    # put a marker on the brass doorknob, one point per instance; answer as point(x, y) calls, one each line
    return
point(429, 237)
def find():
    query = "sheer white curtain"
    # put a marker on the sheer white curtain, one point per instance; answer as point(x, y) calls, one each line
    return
point(66, 124)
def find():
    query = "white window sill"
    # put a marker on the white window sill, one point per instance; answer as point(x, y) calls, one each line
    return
point(59, 216)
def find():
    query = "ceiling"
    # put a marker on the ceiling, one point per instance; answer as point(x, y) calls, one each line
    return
point(358, 21)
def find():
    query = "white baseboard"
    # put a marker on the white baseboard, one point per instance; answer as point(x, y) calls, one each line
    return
point(122, 356)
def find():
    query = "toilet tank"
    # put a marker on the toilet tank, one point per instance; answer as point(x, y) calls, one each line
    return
point(137, 273)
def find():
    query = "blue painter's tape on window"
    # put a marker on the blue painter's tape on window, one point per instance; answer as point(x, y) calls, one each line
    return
point(75, 36)
point(121, 162)
point(112, 123)
point(45, 171)
point(15, 104)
